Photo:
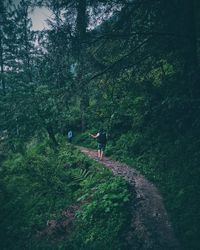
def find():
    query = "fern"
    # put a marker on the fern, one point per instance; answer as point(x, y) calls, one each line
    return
point(80, 175)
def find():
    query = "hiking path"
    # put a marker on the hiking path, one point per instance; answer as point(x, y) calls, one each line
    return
point(150, 224)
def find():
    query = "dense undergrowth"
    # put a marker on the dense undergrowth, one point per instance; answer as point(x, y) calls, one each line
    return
point(61, 200)
point(173, 165)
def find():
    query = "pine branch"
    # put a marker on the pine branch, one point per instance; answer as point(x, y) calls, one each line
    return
point(110, 67)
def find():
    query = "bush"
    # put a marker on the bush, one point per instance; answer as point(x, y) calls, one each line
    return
point(102, 218)
point(42, 185)
point(84, 139)
point(173, 165)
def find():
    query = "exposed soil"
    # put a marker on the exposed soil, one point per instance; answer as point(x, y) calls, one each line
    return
point(150, 226)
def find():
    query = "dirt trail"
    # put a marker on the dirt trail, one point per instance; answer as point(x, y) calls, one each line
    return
point(150, 225)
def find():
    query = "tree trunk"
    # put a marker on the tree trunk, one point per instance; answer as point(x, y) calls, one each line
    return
point(81, 21)
point(84, 105)
point(52, 136)
point(191, 56)
point(81, 24)
point(2, 65)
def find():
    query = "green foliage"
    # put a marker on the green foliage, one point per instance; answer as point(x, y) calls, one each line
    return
point(102, 218)
point(161, 160)
point(34, 189)
point(41, 184)
point(163, 70)
point(80, 174)
point(129, 144)
point(84, 139)
point(166, 163)
point(136, 72)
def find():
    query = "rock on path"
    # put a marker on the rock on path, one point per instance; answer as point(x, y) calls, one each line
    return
point(150, 225)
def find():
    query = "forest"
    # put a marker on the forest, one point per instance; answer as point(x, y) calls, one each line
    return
point(128, 66)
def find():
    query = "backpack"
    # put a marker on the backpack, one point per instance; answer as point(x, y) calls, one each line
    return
point(69, 135)
point(102, 138)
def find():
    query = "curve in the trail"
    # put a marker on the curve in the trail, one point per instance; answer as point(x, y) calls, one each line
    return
point(150, 223)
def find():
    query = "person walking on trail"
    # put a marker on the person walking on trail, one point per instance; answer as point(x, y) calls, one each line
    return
point(69, 136)
point(101, 140)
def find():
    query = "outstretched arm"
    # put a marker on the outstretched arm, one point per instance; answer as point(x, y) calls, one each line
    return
point(94, 136)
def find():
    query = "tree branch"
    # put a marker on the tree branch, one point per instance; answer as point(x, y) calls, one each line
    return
point(118, 61)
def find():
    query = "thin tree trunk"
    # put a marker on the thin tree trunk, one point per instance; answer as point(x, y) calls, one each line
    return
point(191, 42)
point(52, 136)
point(81, 19)
point(2, 65)
point(81, 24)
